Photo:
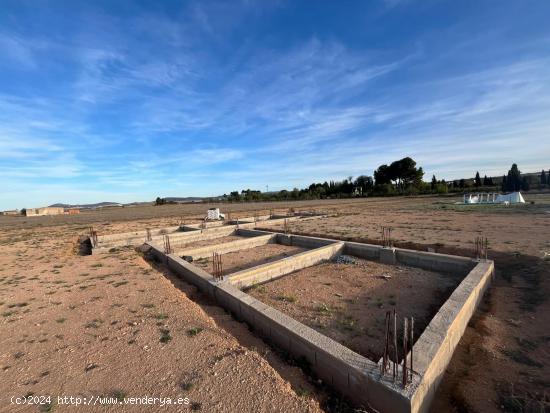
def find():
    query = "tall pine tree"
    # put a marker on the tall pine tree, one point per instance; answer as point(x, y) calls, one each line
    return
point(477, 180)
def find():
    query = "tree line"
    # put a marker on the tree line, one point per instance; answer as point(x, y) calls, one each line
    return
point(401, 177)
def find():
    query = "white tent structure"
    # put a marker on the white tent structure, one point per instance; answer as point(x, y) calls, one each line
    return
point(511, 198)
point(493, 198)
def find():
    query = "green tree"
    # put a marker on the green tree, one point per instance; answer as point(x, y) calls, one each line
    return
point(543, 179)
point(363, 184)
point(513, 179)
point(434, 182)
point(382, 175)
point(525, 186)
point(160, 201)
point(504, 184)
point(477, 180)
point(405, 173)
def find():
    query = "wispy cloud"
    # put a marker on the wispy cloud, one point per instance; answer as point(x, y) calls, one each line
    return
point(209, 97)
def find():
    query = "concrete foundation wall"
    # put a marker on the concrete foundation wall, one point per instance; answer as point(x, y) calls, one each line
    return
point(273, 270)
point(435, 347)
point(435, 262)
point(350, 373)
point(304, 242)
point(226, 247)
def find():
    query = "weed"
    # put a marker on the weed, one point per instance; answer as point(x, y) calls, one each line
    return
point(287, 298)
point(323, 308)
point(93, 324)
point(187, 386)
point(61, 320)
point(348, 323)
point(301, 392)
point(161, 316)
point(148, 305)
point(118, 394)
point(194, 331)
point(165, 335)
point(48, 407)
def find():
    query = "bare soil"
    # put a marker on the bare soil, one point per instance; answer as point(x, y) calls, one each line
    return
point(501, 364)
point(207, 242)
point(348, 302)
point(251, 257)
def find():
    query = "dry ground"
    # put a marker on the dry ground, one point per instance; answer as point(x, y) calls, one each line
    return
point(348, 302)
point(250, 257)
point(111, 324)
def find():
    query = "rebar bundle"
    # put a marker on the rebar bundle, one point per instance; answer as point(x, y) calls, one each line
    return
point(386, 237)
point(167, 248)
point(217, 268)
point(481, 247)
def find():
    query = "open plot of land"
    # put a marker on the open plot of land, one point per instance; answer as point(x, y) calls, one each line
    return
point(251, 257)
point(348, 301)
point(501, 364)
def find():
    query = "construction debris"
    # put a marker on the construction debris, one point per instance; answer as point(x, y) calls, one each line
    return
point(345, 259)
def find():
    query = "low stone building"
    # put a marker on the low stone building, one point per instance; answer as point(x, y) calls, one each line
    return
point(11, 212)
point(35, 212)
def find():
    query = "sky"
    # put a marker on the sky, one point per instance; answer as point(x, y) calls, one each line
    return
point(129, 100)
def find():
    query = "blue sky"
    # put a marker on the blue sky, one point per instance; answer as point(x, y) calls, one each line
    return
point(128, 100)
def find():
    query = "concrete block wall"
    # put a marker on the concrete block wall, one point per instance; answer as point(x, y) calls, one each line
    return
point(304, 242)
point(273, 270)
point(435, 262)
point(348, 372)
point(226, 247)
point(352, 374)
point(435, 347)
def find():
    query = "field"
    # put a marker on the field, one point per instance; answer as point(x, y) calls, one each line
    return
point(114, 325)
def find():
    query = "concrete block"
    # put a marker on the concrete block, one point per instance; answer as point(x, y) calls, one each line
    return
point(387, 256)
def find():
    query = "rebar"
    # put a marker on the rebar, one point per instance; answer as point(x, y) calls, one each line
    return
point(395, 344)
point(217, 268)
point(411, 344)
point(385, 357)
point(405, 375)
point(481, 247)
point(93, 237)
point(167, 248)
point(386, 237)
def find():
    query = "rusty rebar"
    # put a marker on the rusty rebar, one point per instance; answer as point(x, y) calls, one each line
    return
point(395, 344)
point(405, 352)
point(167, 247)
point(411, 341)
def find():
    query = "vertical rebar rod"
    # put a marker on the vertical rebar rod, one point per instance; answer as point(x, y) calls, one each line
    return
point(395, 344)
point(411, 344)
point(405, 351)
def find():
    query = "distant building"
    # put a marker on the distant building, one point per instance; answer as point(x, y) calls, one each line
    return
point(72, 211)
point(11, 212)
point(36, 212)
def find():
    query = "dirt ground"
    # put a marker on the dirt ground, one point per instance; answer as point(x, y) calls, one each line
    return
point(348, 302)
point(251, 257)
point(93, 325)
point(206, 242)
